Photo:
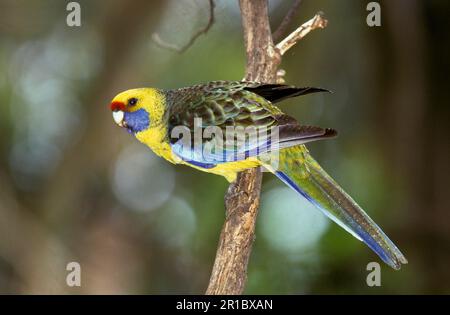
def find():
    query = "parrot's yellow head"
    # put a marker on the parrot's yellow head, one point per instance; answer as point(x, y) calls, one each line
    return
point(138, 110)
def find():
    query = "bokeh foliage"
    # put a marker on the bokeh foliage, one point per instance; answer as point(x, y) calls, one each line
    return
point(74, 187)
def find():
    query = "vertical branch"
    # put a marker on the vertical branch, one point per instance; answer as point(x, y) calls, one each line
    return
point(229, 273)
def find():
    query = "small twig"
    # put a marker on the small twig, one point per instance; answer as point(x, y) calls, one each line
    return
point(318, 21)
point(286, 21)
point(162, 43)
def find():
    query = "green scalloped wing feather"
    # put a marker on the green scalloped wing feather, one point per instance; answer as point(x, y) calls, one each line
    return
point(235, 104)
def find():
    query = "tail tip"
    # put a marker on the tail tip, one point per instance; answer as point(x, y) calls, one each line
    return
point(398, 261)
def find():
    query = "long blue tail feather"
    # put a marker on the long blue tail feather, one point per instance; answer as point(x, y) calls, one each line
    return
point(308, 179)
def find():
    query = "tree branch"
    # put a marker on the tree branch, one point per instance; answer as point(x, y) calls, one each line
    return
point(162, 43)
point(229, 273)
point(318, 21)
point(286, 20)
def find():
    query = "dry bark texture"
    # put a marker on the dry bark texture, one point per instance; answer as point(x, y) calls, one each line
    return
point(229, 273)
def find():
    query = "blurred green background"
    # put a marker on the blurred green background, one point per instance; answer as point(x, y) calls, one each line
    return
point(74, 187)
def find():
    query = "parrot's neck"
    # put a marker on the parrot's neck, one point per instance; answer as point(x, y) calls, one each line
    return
point(155, 138)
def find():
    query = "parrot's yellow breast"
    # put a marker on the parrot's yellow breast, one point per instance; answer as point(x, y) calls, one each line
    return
point(155, 139)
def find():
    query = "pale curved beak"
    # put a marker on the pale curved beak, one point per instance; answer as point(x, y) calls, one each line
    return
point(118, 118)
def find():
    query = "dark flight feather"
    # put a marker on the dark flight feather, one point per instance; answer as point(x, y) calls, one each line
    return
point(240, 104)
point(278, 92)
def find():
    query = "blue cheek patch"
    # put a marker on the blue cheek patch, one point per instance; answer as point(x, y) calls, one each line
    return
point(137, 121)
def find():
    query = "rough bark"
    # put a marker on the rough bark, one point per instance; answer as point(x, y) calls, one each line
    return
point(229, 273)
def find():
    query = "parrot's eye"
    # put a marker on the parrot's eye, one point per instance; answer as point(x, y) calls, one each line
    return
point(132, 101)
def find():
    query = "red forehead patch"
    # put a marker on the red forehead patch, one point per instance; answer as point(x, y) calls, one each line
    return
point(115, 106)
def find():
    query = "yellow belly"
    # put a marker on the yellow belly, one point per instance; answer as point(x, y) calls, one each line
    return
point(153, 138)
point(229, 170)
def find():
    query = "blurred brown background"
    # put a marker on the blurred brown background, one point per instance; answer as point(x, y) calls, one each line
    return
point(74, 187)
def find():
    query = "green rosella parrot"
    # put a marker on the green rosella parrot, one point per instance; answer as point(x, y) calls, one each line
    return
point(158, 117)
